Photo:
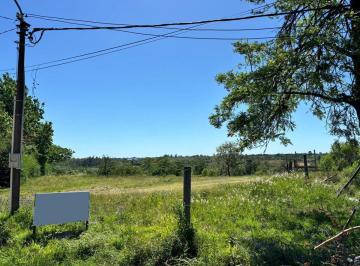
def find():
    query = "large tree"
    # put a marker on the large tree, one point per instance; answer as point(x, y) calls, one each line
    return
point(37, 136)
point(315, 58)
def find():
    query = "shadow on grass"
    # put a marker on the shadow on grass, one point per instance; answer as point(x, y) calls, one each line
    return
point(276, 251)
point(70, 234)
point(42, 237)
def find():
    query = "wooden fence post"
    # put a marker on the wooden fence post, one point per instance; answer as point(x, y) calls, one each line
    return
point(306, 169)
point(187, 193)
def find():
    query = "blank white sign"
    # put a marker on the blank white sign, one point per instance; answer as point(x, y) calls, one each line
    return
point(59, 208)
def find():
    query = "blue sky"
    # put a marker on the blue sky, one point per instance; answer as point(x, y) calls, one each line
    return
point(150, 100)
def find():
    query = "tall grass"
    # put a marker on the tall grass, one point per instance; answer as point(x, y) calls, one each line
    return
point(276, 221)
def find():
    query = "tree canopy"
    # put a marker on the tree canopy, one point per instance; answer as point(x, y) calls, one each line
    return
point(37, 134)
point(228, 155)
point(315, 58)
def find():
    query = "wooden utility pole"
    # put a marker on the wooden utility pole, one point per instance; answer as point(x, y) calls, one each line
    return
point(187, 194)
point(18, 118)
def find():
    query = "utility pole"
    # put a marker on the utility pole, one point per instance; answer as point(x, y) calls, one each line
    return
point(187, 194)
point(18, 117)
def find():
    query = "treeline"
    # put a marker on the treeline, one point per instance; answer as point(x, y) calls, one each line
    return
point(227, 161)
point(173, 165)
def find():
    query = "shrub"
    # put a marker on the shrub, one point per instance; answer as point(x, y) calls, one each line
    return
point(4, 233)
point(23, 217)
point(209, 172)
point(327, 164)
point(342, 155)
point(31, 167)
point(126, 170)
point(106, 167)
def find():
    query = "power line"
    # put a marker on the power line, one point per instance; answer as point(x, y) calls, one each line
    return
point(200, 38)
point(102, 51)
point(123, 24)
point(169, 28)
point(180, 37)
point(7, 31)
point(3, 17)
point(97, 54)
point(122, 47)
point(42, 30)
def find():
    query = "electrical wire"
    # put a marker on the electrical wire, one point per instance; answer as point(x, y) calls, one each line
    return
point(3, 17)
point(122, 24)
point(7, 31)
point(169, 28)
point(180, 37)
point(188, 23)
point(102, 51)
point(119, 47)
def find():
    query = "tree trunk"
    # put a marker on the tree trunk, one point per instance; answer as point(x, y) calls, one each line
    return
point(228, 169)
point(42, 169)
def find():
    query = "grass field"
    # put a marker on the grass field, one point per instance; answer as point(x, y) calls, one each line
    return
point(136, 221)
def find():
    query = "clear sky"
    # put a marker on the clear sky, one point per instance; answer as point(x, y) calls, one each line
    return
point(149, 100)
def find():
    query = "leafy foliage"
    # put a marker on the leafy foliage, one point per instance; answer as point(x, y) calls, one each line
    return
point(342, 155)
point(37, 133)
point(43, 142)
point(314, 59)
point(228, 154)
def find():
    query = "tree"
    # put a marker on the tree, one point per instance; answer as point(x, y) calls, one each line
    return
point(315, 58)
point(34, 109)
point(37, 135)
point(227, 155)
point(341, 156)
point(33, 114)
point(249, 166)
point(106, 167)
point(59, 154)
point(43, 142)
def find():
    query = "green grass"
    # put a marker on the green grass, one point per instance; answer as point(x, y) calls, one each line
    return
point(135, 221)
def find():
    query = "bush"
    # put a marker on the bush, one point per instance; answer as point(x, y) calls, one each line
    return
point(327, 163)
point(106, 167)
point(126, 170)
point(4, 234)
point(31, 167)
point(342, 155)
point(209, 172)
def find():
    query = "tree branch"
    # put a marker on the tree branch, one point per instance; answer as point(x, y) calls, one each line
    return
point(346, 231)
point(341, 99)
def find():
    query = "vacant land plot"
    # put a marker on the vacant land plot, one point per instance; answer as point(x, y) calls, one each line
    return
point(136, 221)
